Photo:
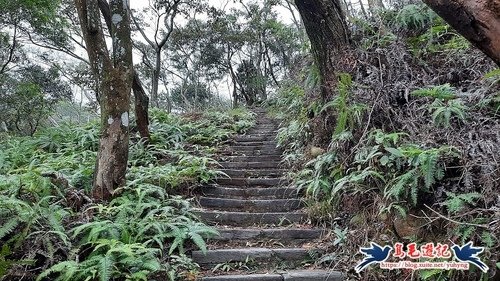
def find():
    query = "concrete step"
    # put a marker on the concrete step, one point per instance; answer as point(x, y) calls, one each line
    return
point(235, 181)
point(265, 132)
point(254, 138)
point(293, 275)
point(231, 153)
point(232, 234)
point(255, 143)
point(252, 205)
point(213, 257)
point(249, 219)
point(256, 193)
point(266, 148)
point(250, 165)
point(266, 124)
point(258, 158)
point(243, 173)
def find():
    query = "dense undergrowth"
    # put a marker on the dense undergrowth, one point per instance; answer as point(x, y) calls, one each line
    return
point(51, 230)
point(406, 150)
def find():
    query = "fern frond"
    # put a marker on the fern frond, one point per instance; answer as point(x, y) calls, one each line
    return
point(67, 269)
point(9, 226)
point(106, 268)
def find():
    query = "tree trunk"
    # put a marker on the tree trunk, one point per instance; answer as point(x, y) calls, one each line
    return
point(477, 20)
point(141, 98)
point(326, 27)
point(114, 76)
point(141, 108)
point(156, 79)
point(233, 76)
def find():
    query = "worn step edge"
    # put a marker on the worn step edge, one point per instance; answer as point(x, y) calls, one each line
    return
point(248, 219)
point(253, 173)
point(273, 233)
point(250, 165)
point(233, 153)
point(253, 277)
point(244, 158)
point(250, 192)
point(243, 254)
point(249, 205)
point(267, 147)
point(293, 275)
point(238, 181)
point(254, 138)
point(254, 143)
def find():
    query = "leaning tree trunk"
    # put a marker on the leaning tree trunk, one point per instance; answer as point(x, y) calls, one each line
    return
point(477, 20)
point(141, 108)
point(141, 99)
point(115, 80)
point(327, 30)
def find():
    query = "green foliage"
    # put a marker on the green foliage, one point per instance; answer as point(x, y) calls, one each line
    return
point(39, 11)
point(439, 38)
point(347, 115)
point(127, 238)
point(442, 92)
point(129, 234)
point(29, 96)
point(414, 16)
point(434, 275)
point(400, 172)
point(456, 203)
point(493, 75)
point(293, 134)
point(6, 264)
point(442, 113)
point(470, 232)
point(110, 259)
point(446, 106)
point(252, 81)
point(422, 171)
point(232, 266)
point(313, 77)
point(192, 95)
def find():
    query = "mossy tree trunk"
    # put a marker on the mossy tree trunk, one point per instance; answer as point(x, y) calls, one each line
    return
point(141, 99)
point(114, 74)
point(141, 102)
point(477, 20)
point(327, 30)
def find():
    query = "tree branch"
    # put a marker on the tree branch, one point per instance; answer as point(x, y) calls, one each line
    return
point(11, 51)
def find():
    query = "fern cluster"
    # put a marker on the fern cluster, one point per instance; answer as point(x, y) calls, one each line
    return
point(414, 16)
point(446, 105)
point(142, 232)
point(401, 173)
point(129, 237)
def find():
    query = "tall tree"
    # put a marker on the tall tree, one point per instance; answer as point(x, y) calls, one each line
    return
point(141, 100)
point(164, 13)
point(327, 30)
point(477, 20)
point(114, 73)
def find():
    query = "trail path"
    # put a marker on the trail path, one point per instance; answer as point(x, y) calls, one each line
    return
point(264, 235)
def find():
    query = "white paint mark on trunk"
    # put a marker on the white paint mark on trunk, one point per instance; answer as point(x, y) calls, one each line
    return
point(116, 19)
point(125, 119)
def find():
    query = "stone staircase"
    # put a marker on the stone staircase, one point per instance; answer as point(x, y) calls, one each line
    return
point(264, 234)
